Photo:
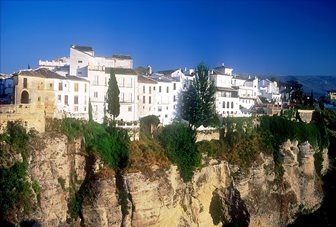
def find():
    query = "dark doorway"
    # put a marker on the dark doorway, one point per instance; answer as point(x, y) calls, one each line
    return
point(24, 97)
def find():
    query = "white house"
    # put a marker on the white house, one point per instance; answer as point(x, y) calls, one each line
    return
point(127, 80)
point(81, 57)
point(227, 100)
point(59, 65)
point(72, 94)
point(147, 96)
point(167, 92)
point(270, 90)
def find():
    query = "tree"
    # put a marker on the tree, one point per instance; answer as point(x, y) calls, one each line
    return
point(198, 101)
point(113, 96)
point(295, 91)
point(90, 110)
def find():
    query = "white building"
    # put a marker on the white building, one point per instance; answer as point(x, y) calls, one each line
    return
point(227, 100)
point(83, 56)
point(59, 65)
point(127, 80)
point(270, 90)
point(167, 92)
point(147, 96)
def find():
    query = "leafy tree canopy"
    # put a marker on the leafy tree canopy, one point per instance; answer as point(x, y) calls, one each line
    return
point(198, 101)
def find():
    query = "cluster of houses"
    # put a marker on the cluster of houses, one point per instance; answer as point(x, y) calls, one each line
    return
point(64, 87)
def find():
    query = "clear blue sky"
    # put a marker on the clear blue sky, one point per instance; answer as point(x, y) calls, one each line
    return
point(257, 37)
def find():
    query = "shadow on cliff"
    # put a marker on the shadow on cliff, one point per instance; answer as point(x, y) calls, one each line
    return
point(325, 215)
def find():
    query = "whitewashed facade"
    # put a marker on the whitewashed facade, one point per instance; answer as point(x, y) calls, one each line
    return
point(270, 90)
point(146, 96)
point(167, 92)
point(127, 81)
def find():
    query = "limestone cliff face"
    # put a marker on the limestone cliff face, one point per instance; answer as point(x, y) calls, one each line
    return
point(54, 166)
point(218, 194)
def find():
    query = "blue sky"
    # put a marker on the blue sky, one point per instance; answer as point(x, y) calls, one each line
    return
point(257, 37)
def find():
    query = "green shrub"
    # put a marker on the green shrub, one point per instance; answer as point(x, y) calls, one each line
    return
point(75, 206)
point(216, 209)
point(15, 190)
point(179, 142)
point(148, 124)
point(61, 181)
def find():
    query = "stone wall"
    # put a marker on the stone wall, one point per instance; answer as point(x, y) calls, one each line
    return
point(32, 116)
point(209, 134)
point(306, 115)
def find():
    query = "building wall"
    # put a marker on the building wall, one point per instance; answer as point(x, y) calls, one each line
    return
point(128, 87)
point(230, 108)
point(31, 116)
point(222, 80)
point(123, 63)
point(72, 98)
point(166, 102)
point(79, 62)
point(147, 99)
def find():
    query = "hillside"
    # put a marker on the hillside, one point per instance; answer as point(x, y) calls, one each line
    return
point(318, 84)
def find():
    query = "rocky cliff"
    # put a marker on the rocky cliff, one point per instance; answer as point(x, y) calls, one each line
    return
point(218, 194)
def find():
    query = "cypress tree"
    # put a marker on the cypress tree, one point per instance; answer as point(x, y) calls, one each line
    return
point(112, 99)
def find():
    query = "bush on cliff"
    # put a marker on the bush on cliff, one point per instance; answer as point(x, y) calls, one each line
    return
point(179, 141)
point(15, 190)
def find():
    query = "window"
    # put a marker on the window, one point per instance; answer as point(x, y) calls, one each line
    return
point(25, 82)
point(95, 80)
point(76, 99)
point(174, 107)
point(150, 90)
point(80, 61)
point(231, 105)
point(79, 73)
point(174, 98)
point(174, 88)
point(76, 108)
point(227, 105)
point(223, 104)
point(143, 99)
point(150, 99)
point(39, 98)
point(166, 116)
point(159, 89)
point(160, 108)
point(144, 89)
point(59, 98)
point(60, 86)
point(84, 108)
point(85, 87)
point(66, 100)
point(50, 85)
point(167, 89)
point(76, 87)
point(129, 108)
point(154, 88)
point(95, 94)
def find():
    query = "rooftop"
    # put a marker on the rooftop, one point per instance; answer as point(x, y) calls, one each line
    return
point(45, 73)
point(122, 57)
point(82, 48)
point(167, 72)
point(146, 80)
point(121, 71)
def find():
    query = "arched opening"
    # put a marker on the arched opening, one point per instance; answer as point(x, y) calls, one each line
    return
point(24, 97)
